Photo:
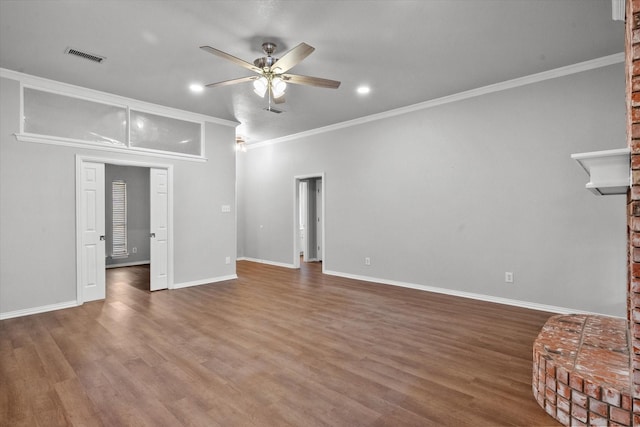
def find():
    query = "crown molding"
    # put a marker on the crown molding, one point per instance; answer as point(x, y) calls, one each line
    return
point(484, 90)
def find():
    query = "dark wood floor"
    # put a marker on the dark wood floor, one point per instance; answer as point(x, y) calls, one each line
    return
point(277, 347)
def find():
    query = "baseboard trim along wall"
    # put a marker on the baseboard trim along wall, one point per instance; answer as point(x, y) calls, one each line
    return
point(480, 297)
point(38, 310)
point(264, 261)
point(470, 295)
point(70, 304)
point(204, 281)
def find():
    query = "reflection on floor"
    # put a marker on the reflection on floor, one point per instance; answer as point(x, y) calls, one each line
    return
point(136, 276)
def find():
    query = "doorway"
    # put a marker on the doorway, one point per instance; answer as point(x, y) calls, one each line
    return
point(90, 225)
point(309, 240)
point(127, 227)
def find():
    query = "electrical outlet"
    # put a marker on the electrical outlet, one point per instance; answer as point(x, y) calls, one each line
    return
point(134, 250)
point(508, 277)
point(227, 260)
point(367, 261)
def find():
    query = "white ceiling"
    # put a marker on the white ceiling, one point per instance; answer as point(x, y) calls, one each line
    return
point(407, 51)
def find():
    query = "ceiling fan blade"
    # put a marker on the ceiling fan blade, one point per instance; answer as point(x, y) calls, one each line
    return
point(291, 58)
point(232, 58)
point(232, 82)
point(310, 81)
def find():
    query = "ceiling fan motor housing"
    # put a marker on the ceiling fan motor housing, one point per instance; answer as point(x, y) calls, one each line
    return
point(265, 62)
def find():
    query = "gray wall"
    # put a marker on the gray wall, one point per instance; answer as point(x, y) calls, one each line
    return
point(138, 212)
point(456, 195)
point(37, 212)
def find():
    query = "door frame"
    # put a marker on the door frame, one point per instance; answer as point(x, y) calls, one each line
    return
point(80, 159)
point(296, 217)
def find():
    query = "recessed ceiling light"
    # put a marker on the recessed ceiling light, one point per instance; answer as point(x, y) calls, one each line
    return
point(196, 88)
point(363, 90)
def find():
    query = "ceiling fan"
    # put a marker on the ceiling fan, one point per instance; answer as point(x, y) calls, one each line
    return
point(272, 76)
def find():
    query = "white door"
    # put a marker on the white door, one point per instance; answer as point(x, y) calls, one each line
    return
point(159, 227)
point(319, 241)
point(91, 219)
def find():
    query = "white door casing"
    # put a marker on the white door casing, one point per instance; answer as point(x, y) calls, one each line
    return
point(159, 227)
point(319, 242)
point(86, 268)
point(91, 231)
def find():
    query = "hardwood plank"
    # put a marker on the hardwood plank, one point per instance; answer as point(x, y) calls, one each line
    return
point(274, 347)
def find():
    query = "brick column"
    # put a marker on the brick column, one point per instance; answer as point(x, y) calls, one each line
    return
point(632, 53)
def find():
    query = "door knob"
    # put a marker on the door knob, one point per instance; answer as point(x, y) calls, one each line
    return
point(101, 237)
point(152, 235)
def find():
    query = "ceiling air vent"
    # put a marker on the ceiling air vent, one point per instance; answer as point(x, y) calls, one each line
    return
point(85, 55)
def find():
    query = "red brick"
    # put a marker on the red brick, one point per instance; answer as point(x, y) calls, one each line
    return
point(611, 396)
point(636, 419)
point(635, 97)
point(563, 417)
point(551, 383)
point(620, 416)
point(635, 192)
point(550, 396)
point(635, 269)
point(575, 381)
point(590, 388)
point(562, 374)
point(635, 174)
point(597, 420)
point(598, 407)
point(579, 413)
point(577, 423)
point(563, 404)
point(636, 19)
point(635, 330)
point(579, 398)
point(635, 81)
point(551, 370)
point(550, 408)
point(564, 390)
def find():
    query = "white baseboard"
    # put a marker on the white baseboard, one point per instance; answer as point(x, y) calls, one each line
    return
point(37, 310)
point(128, 264)
point(204, 281)
point(264, 261)
point(463, 294)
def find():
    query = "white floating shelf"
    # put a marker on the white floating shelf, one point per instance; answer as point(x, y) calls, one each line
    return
point(609, 171)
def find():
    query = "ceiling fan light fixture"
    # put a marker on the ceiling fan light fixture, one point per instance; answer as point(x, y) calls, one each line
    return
point(260, 86)
point(278, 86)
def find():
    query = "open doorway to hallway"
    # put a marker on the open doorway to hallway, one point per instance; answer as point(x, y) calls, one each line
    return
point(309, 219)
point(127, 224)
